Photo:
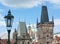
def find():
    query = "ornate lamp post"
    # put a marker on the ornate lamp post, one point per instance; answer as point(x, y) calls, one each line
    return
point(9, 20)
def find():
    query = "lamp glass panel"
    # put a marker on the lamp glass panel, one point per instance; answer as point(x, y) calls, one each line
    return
point(8, 22)
point(11, 21)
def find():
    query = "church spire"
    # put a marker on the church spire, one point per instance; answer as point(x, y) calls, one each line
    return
point(44, 14)
point(37, 21)
point(15, 30)
point(52, 19)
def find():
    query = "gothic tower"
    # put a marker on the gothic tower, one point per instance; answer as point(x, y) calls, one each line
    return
point(45, 28)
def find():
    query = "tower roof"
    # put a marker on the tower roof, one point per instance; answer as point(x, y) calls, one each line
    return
point(22, 29)
point(44, 15)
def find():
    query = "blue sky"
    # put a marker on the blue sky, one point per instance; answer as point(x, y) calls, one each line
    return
point(28, 11)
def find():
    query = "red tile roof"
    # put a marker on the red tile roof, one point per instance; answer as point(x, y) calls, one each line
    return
point(58, 38)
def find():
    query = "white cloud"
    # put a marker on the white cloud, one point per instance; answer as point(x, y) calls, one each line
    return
point(27, 3)
point(2, 22)
point(55, 4)
point(1, 17)
point(21, 3)
point(56, 25)
point(1, 10)
point(54, 1)
point(57, 22)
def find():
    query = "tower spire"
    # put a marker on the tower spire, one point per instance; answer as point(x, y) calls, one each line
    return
point(15, 30)
point(52, 19)
point(44, 14)
point(37, 21)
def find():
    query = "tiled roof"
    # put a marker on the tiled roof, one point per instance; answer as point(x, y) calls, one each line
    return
point(58, 38)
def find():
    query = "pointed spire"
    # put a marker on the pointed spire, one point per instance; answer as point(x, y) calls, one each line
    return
point(33, 27)
point(44, 14)
point(9, 12)
point(37, 21)
point(24, 19)
point(15, 30)
point(19, 19)
point(52, 19)
point(29, 23)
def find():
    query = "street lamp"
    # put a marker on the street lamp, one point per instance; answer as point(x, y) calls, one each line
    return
point(9, 20)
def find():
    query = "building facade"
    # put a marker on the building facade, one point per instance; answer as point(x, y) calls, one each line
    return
point(45, 28)
point(21, 36)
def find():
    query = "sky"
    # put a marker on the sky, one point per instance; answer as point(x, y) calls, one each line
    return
point(28, 11)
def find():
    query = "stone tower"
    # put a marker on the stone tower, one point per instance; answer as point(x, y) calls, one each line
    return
point(22, 29)
point(23, 36)
point(45, 28)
